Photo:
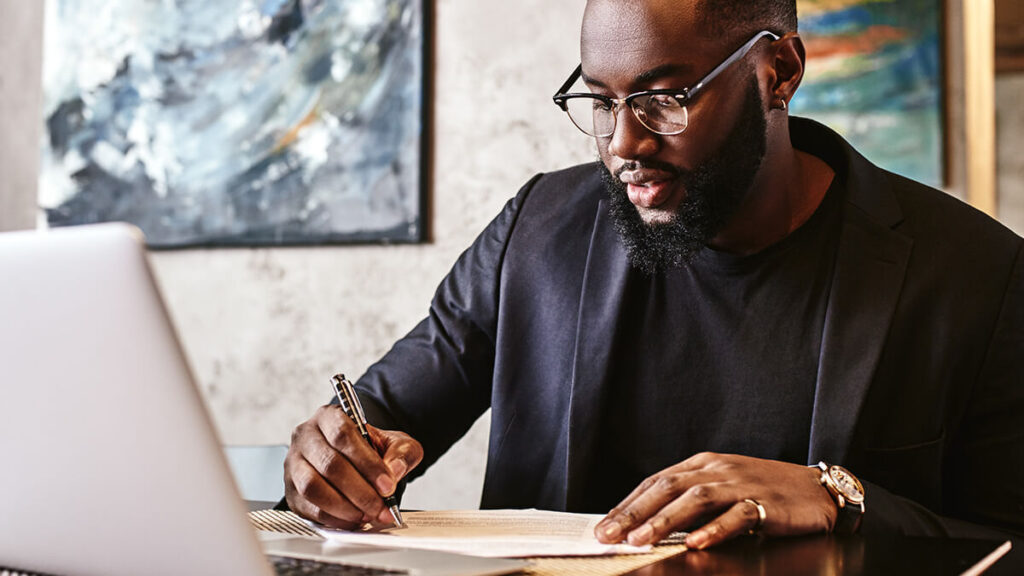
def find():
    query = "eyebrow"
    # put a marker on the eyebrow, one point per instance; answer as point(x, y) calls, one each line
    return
point(656, 73)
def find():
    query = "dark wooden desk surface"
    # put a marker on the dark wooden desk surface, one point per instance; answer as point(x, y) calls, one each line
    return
point(834, 555)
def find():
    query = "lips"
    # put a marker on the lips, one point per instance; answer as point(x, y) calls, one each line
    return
point(648, 188)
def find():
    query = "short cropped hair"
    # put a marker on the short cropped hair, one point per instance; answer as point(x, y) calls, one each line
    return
point(729, 18)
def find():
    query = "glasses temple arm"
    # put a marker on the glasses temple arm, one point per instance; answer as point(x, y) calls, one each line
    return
point(728, 61)
point(572, 80)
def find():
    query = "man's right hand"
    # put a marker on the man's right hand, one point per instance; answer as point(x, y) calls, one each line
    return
point(332, 476)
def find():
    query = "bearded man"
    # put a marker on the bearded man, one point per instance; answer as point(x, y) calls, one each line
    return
point(680, 333)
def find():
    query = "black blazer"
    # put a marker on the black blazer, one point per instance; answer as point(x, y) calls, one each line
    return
point(920, 388)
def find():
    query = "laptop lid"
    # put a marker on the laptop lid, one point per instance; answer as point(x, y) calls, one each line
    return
point(111, 465)
point(110, 462)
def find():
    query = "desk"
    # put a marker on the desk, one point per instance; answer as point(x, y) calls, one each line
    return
point(805, 556)
point(835, 555)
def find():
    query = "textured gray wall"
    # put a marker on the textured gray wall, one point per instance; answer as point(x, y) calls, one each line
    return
point(265, 328)
point(21, 27)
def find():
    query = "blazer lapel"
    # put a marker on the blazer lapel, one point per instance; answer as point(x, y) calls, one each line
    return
point(870, 267)
point(601, 299)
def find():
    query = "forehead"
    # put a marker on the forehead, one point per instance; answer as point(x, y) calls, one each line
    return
point(622, 39)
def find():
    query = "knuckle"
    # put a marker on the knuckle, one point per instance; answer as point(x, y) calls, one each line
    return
point(299, 432)
point(707, 459)
point(661, 523)
point(336, 437)
point(329, 463)
point(304, 483)
point(702, 493)
point(649, 482)
point(628, 515)
point(344, 437)
point(703, 497)
point(412, 452)
point(702, 456)
point(667, 483)
point(714, 530)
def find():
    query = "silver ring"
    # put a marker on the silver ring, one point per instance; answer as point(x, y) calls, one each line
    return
point(761, 515)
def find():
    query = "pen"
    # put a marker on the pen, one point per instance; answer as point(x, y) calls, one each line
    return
point(346, 393)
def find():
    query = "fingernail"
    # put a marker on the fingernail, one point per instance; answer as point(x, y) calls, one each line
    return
point(612, 531)
point(385, 517)
point(385, 485)
point(696, 540)
point(641, 535)
point(397, 468)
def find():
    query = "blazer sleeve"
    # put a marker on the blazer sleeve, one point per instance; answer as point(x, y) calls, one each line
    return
point(983, 480)
point(436, 381)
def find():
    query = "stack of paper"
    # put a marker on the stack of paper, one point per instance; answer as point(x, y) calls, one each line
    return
point(491, 533)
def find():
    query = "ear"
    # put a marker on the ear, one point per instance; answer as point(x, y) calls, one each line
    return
point(788, 68)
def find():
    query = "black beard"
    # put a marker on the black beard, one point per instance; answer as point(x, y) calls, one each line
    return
point(715, 189)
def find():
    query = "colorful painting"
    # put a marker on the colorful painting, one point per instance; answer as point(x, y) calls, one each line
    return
point(874, 74)
point(235, 122)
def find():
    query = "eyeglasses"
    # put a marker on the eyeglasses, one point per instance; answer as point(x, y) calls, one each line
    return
point(660, 111)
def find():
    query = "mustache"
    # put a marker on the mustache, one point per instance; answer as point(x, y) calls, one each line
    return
point(675, 171)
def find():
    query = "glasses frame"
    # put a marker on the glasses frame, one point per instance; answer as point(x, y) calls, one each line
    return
point(683, 96)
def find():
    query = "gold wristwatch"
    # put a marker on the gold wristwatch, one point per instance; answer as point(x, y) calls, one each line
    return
point(848, 493)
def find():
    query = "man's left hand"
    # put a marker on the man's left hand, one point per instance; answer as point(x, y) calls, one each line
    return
point(719, 486)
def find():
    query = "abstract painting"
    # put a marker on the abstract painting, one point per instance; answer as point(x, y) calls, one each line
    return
point(236, 122)
point(874, 74)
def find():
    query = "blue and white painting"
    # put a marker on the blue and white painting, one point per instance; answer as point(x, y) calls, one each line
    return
point(874, 74)
point(235, 122)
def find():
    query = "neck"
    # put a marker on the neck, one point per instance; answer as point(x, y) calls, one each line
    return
point(787, 190)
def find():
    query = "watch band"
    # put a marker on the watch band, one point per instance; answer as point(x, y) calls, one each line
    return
point(848, 520)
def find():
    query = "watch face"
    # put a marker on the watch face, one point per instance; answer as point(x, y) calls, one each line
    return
point(847, 484)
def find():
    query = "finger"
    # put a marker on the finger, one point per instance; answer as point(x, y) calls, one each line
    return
point(652, 495)
point(739, 519)
point(342, 475)
point(340, 433)
point(622, 518)
point(690, 472)
point(312, 497)
point(698, 501)
point(401, 453)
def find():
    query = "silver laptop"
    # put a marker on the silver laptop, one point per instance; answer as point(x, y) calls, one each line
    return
point(109, 464)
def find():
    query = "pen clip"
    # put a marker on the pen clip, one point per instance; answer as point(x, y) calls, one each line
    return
point(349, 401)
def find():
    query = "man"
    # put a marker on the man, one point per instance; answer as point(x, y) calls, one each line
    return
point(726, 298)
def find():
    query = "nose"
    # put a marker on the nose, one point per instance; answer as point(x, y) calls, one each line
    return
point(631, 140)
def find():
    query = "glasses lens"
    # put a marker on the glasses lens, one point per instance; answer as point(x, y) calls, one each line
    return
point(592, 115)
point(661, 113)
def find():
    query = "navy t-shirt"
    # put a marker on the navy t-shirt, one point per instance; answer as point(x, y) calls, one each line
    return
point(720, 355)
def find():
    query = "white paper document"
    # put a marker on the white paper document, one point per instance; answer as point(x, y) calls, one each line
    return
point(492, 534)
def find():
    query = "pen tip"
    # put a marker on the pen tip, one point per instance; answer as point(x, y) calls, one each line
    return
point(399, 521)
